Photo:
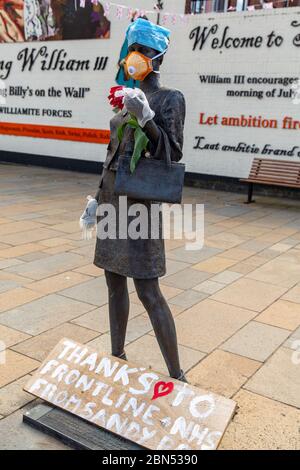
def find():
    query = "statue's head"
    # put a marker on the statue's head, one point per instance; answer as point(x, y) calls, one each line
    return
point(147, 44)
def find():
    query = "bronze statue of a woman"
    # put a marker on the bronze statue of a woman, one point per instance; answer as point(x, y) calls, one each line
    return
point(161, 113)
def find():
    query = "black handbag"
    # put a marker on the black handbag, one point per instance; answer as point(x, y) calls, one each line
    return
point(152, 180)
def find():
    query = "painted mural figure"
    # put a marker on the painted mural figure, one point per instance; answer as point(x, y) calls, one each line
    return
point(44, 20)
point(38, 19)
point(11, 21)
point(161, 113)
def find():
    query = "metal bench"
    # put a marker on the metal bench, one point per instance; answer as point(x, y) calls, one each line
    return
point(272, 172)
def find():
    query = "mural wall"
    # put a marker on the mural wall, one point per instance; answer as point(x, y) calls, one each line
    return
point(239, 73)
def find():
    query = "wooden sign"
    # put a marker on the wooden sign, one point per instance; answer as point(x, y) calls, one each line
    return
point(139, 404)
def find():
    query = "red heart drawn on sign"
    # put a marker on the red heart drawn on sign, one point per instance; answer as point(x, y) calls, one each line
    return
point(162, 388)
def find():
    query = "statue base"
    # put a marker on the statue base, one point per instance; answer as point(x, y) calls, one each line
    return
point(74, 431)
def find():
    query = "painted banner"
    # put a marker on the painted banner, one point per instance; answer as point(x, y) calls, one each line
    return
point(140, 405)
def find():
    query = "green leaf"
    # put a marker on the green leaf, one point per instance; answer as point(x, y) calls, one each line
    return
point(132, 116)
point(140, 144)
point(132, 123)
point(120, 131)
point(140, 140)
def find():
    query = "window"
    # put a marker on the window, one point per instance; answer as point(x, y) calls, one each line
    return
point(198, 6)
point(206, 6)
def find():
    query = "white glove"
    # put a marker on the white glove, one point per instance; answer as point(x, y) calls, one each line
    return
point(136, 103)
point(88, 219)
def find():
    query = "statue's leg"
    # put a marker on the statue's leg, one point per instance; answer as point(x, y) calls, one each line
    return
point(118, 303)
point(162, 321)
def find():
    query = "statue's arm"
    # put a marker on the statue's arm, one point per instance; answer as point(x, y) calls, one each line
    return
point(167, 136)
point(97, 195)
point(153, 133)
point(108, 155)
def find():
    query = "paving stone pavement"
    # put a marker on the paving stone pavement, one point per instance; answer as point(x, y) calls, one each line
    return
point(236, 302)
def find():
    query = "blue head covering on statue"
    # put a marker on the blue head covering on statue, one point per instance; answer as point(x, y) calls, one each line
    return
point(148, 34)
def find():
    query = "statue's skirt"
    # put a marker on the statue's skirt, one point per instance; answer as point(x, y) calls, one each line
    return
point(139, 258)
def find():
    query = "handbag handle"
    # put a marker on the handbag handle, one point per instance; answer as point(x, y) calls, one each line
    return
point(167, 157)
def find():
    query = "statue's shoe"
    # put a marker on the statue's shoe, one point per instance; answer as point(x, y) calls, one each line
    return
point(121, 356)
point(182, 377)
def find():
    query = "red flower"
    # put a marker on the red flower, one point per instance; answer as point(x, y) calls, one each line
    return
point(116, 101)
